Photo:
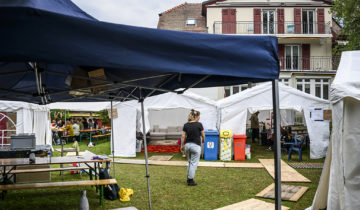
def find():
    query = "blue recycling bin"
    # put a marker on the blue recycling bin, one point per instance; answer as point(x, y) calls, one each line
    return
point(211, 145)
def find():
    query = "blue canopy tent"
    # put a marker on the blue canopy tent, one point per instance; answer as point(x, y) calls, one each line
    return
point(50, 48)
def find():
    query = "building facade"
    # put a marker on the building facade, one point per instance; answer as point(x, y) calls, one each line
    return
point(304, 31)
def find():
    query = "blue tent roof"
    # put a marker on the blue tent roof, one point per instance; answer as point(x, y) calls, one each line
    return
point(60, 38)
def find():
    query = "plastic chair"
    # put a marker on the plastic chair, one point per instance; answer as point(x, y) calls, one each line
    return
point(297, 147)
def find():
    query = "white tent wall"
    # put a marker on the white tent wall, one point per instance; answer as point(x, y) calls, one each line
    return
point(343, 180)
point(24, 121)
point(80, 106)
point(319, 135)
point(165, 117)
point(234, 111)
point(125, 131)
point(30, 118)
point(167, 101)
point(42, 133)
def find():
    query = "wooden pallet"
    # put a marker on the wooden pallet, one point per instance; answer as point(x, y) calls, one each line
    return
point(288, 174)
point(161, 157)
point(288, 192)
point(243, 165)
point(252, 204)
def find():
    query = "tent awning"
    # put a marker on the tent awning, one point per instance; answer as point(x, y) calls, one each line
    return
point(64, 47)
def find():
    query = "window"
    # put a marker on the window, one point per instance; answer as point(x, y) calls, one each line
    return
point(284, 81)
point(318, 86)
point(303, 85)
point(191, 22)
point(230, 90)
point(322, 88)
point(292, 53)
point(244, 87)
point(308, 21)
point(235, 89)
point(227, 91)
point(268, 21)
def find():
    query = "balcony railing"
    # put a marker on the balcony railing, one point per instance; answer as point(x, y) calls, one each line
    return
point(243, 27)
point(313, 63)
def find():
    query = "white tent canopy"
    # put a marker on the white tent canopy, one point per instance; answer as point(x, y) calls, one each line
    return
point(234, 112)
point(339, 186)
point(30, 118)
point(80, 106)
point(130, 117)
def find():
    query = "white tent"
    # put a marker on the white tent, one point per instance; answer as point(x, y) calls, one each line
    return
point(30, 118)
point(80, 106)
point(234, 112)
point(129, 117)
point(339, 186)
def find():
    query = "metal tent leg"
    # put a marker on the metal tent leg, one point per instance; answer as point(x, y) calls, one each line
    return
point(145, 147)
point(277, 153)
point(112, 137)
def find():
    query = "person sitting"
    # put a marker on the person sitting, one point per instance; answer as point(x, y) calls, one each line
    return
point(59, 124)
point(85, 123)
point(91, 124)
point(76, 129)
point(69, 128)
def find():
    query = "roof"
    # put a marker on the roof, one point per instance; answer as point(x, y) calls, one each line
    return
point(174, 8)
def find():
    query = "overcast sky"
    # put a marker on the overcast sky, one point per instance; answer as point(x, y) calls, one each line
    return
point(130, 12)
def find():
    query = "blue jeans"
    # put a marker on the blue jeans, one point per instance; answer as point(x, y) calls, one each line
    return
point(193, 152)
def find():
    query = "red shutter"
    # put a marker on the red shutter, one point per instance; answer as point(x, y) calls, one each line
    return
point(229, 21)
point(280, 19)
point(232, 21)
point(297, 20)
point(306, 57)
point(321, 21)
point(281, 54)
point(225, 19)
point(257, 21)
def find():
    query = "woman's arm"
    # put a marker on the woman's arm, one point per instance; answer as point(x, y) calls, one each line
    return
point(203, 136)
point(183, 137)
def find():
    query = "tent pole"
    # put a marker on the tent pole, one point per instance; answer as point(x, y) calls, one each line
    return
point(145, 147)
point(277, 153)
point(112, 137)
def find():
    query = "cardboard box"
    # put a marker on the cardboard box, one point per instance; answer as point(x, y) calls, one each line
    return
point(327, 114)
point(97, 74)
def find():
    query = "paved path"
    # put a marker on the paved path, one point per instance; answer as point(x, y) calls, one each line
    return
point(184, 163)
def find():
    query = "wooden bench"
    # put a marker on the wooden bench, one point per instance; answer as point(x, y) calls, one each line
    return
point(37, 170)
point(67, 138)
point(100, 183)
point(101, 135)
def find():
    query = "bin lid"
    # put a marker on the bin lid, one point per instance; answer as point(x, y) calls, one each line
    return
point(239, 136)
point(211, 132)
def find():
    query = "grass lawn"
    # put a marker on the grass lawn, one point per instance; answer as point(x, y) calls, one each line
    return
point(217, 187)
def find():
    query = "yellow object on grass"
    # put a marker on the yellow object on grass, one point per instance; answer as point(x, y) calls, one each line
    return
point(125, 194)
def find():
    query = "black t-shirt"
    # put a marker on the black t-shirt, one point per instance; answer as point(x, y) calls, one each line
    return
point(193, 132)
point(86, 125)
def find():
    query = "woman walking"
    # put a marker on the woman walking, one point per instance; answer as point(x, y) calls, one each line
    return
point(191, 134)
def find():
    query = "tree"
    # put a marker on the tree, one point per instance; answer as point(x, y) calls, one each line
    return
point(56, 114)
point(104, 116)
point(347, 13)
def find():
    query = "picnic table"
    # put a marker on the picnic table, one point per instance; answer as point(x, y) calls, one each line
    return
point(93, 165)
point(9, 170)
point(88, 132)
